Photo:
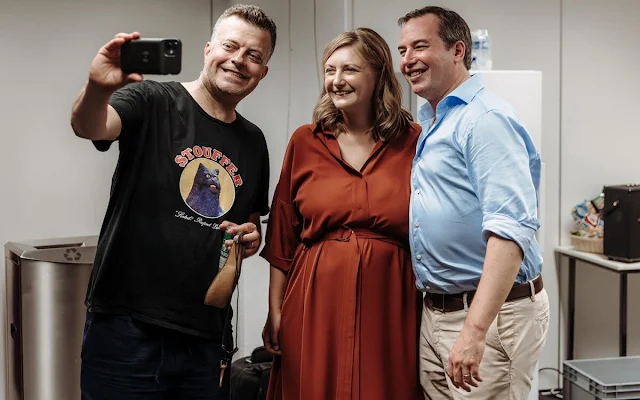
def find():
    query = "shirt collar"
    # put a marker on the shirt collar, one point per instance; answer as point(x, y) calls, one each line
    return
point(465, 92)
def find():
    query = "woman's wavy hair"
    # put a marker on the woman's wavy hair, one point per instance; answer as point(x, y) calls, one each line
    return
point(390, 118)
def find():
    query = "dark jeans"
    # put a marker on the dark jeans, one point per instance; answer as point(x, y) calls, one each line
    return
point(125, 359)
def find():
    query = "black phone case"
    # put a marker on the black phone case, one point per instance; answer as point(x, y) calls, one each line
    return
point(150, 56)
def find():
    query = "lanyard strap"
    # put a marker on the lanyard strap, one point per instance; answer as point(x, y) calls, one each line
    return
point(227, 354)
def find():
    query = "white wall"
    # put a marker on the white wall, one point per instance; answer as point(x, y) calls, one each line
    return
point(54, 184)
point(600, 143)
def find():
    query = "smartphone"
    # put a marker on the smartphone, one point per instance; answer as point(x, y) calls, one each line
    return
point(152, 56)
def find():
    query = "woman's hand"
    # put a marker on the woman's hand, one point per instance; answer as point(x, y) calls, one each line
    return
point(271, 333)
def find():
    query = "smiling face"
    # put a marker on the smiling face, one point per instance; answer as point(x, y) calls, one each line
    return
point(235, 59)
point(349, 81)
point(431, 68)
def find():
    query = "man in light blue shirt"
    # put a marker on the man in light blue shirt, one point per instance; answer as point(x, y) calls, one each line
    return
point(473, 221)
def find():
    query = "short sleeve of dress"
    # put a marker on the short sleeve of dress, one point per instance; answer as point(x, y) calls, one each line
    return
point(283, 230)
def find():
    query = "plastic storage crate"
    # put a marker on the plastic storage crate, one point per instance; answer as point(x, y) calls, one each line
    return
point(602, 378)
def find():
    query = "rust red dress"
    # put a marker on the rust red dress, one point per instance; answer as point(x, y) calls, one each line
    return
point(351, 311)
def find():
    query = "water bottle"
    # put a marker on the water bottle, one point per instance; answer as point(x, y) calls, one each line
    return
point(481, 50)
point(224, 251)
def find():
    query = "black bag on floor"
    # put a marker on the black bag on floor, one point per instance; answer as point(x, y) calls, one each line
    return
point(250, 375)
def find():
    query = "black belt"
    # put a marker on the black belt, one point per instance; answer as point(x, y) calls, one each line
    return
point(455, 302)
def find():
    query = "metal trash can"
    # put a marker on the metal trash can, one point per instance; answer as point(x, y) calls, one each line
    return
point(45, 313)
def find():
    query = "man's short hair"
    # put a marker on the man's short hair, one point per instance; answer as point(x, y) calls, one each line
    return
point(253, 15)
point(453, 28)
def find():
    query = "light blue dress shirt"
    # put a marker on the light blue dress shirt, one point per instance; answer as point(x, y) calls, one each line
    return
point(476, 172)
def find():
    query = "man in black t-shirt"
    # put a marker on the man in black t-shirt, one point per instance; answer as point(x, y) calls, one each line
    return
point(190, 168)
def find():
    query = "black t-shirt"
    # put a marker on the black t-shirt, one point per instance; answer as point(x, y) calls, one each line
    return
point(180, 173)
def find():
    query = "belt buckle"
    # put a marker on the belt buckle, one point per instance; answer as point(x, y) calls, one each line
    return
point(465, 301)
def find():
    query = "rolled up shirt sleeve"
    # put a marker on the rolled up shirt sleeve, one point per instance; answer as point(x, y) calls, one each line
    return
point(504, 169)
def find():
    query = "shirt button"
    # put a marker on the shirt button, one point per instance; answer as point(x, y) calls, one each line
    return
point(418, 191)
point(428, 287)
point(417, 224)
point(418, 257)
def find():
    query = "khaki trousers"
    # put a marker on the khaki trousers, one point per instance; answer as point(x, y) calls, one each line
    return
point(513, 345)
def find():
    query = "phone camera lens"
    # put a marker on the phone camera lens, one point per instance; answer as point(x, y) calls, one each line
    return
point(170, 47)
